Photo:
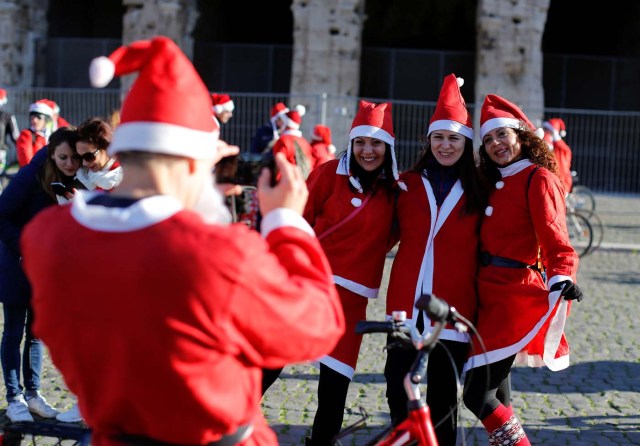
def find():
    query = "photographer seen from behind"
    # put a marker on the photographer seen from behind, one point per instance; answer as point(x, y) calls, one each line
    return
point(175, 355)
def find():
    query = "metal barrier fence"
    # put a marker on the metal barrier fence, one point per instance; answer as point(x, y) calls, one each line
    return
point(605, 144)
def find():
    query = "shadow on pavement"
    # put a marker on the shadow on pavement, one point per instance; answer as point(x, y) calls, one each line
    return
point(585, 377)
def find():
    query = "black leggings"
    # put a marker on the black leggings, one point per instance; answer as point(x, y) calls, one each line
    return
point(442, 385)
point(487, 387)
point(269, 376)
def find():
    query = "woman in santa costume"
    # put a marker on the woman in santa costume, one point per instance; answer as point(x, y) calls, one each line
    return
point(438, 228)
point(99, 171)
point(555, 130)
point(520, 317)
point(350, 208)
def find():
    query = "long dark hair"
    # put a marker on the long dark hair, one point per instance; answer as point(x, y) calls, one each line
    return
point(533, 148)
point(49, 172)
point(381, 177)
point(474, 187)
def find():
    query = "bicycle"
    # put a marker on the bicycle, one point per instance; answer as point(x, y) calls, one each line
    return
point(417, 428)
point(41, 432)
point(580, 232)
point(581, 198)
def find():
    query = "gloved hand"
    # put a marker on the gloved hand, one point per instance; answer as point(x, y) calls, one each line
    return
point(570, 290)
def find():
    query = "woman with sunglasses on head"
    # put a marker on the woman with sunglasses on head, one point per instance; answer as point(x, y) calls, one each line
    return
point(438, 229)
point(521, 316)
point(28, 193)
point(99, 171)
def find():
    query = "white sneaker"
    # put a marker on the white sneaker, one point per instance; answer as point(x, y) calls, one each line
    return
point(17, 410)
point(72, 415)
point(39, 406)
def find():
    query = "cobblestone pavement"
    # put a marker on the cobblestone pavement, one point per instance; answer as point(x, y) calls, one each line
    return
point(593, 402)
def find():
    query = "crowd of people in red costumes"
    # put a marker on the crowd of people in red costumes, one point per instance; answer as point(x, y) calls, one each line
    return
point(214, 310)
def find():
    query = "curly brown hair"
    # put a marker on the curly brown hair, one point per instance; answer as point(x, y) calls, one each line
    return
point(533, 148)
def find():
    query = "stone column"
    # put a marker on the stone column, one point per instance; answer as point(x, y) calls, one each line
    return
point(509, 54)
point(22, 23)
point(145, 19)
point(327, 40)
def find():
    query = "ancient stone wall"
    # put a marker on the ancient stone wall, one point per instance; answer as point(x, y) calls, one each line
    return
point(509, 53)
point(22, 23)
point(147, 18)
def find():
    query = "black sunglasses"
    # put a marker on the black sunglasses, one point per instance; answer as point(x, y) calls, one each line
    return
point(89, 156)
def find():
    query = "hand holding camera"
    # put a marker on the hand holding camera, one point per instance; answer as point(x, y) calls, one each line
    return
point(290, 192)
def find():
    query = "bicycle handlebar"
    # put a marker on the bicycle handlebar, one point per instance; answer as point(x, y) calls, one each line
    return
point(364, 327)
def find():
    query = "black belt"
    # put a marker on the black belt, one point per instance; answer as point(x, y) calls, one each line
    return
point(239, 435)
point(487, 259)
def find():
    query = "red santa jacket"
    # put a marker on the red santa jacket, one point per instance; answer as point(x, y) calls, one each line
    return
point(516, 312)
point(287, 145)
point(357, 250)
point(438, 251)
point(28, 143)
point(321, 153)
point(164, 323)
point(562, 153)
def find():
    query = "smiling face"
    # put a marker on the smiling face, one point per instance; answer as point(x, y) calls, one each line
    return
point(502, 146)
point(369, 152)
point(447, 146)
point(67, 161)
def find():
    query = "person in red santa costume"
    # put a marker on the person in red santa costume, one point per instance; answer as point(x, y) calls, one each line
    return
point(350, 207)
point(554, 132)
point(36, 136)
point(172, 352)
point(222, 107)
point(438, 229)
point(520, 317)
point(322, 149)
point(292, 143)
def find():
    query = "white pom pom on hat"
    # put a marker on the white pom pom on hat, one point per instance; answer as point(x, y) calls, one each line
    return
point(101, 71)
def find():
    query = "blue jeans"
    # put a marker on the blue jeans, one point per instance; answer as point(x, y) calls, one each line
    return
point(18, 320)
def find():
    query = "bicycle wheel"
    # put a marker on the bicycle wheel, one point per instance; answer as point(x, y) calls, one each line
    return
point(598, 231)
point(581, 199)
point(580, 233)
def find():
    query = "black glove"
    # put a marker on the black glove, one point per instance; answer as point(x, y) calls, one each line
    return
point(570, 291)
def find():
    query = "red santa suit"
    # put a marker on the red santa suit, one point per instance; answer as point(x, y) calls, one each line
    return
point(437, 252)
point(28, 143)
point(295, 147)
point(562, 153)
point(208, 328)
point(516, 312)
point(356, 250)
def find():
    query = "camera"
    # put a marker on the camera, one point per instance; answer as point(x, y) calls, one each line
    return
point(244, 169)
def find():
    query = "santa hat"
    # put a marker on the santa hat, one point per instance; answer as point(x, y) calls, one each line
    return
point(221, 102)
point(498, 112)
point(293, 118)
point(3, 96)
point(374, 121)
point(49, 103)
point(167, 109)
point(557, 128)
point(42, 107)
point(451, 111)
point(321, 133)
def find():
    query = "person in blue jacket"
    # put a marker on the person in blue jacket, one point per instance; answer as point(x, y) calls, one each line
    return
point(23, 198)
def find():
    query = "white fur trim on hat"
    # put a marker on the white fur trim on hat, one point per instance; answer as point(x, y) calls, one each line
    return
point(165, 139)
point(372, 132)
point(453, 126)
point(495, 123)
point(40, 107)
point(539, 132)
point(101, 71)
point(301, 109)
point(227, 106)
